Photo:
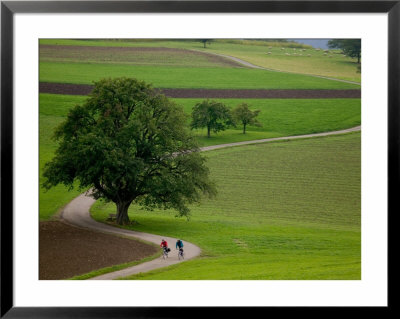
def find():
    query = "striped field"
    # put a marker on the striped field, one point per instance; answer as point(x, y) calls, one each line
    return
point(285, 210)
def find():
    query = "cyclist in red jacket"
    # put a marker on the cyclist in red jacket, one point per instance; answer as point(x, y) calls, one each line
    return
point(164, 244)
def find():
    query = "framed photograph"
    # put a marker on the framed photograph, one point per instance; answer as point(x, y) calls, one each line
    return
point(289, 110)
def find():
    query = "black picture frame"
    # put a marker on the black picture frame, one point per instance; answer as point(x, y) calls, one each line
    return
point(9, 8)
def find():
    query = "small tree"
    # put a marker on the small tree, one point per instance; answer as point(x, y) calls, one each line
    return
point(244, 115)
point(213, 115)
point(349, 47)
point(130, 144)
point(205, 41)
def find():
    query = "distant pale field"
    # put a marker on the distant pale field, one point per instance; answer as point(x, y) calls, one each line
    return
point(270, 55)
point(284, 210)
point(307, 61)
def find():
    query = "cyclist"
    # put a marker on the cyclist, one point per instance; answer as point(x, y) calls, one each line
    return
point(179, 244)
point(164, 246)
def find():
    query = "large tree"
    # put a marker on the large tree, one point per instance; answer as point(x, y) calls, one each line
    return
point(128, 143)
point(242, 114)
point(350, 47)
point(213, 115)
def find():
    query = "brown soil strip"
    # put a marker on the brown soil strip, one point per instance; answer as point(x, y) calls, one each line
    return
point(66, 251)
point(64, 88)
point(84, 89)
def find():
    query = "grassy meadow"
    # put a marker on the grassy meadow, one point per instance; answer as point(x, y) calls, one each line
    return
point(284, 117)
point(284, 210)
point(53, 110)
point(185, 77)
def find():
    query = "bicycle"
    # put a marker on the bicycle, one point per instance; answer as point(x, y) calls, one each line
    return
point(180, 254)
point(165, 253)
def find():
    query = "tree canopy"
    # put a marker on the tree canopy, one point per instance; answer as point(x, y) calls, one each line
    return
point(213, 115)
point(128, 143)
point(242, 114)
point(350, 47)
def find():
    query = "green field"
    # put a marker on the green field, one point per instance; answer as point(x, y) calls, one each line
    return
point(280, 117)
point(285, 210)
point(184, 77)
point(53, 110)
point(310, 61)
point(285, 117)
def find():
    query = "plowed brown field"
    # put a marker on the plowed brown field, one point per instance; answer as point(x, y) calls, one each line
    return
point(84, 89)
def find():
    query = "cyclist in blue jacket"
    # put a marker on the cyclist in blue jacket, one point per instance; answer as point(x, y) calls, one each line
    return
point(179, 244)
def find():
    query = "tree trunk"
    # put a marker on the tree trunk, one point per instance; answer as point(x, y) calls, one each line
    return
point(244, 128)
point(208, 130)
point(122, 213)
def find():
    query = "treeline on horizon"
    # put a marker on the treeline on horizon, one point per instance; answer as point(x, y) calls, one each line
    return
point(259, 42)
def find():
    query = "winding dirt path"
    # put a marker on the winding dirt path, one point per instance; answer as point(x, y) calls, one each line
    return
point(77, 213)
